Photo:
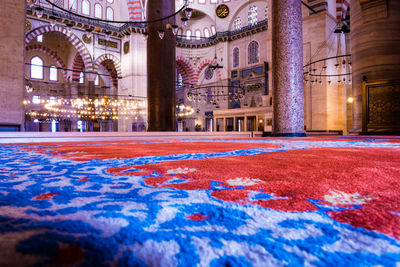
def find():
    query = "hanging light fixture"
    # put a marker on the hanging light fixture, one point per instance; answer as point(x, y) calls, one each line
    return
point(69, 26)
point(184, 21)
point(39, 12)
point(31, 3)
point(108, 35)
point(52, 20)
point(188, 12)
point(127, 35)
point(145, 36)
point(161, 34)
point(174, 29)
point(89, 33)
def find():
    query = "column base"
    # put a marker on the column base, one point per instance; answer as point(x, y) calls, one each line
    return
point(288, 135)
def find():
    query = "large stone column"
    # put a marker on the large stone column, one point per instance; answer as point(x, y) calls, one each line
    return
point(287, 70)
point(161, 85)
point(375, 47)
point(12, 30)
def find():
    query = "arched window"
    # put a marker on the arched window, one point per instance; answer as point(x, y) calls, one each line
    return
point(81, 78)
point(252, 15)
point(72, 5)
point(110, 13)
point(85, 7)
point(110, 1)
point(198, 34)
point(37, 68)
point(39, 39)
point(235, 57)
point(213, 31)
point(237, 23)
point(253, 52)
point(53, 73)
point(206, 33)
point(188, 34)
point(97, 81)
point(98, 10)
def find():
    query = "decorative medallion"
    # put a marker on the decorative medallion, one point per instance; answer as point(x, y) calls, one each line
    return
point(86, 39)
point(28, 25)
point(222, 11)
point(126, 47)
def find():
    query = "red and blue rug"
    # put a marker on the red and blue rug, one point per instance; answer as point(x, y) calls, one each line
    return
point(256, 202)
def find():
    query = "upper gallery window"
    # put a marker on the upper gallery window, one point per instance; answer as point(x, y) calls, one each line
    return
point(110, 13)
point(237, 23)
point(252, 15)
point(213, 31)
point(85, 7)
point(72, 5)
point(198, 34)
point(235, 57)
point(98, 10)
point(253, 52)
point(53, 73)
point(206, 33)
point(37, 68)
point(110, 1)
point(188, 34)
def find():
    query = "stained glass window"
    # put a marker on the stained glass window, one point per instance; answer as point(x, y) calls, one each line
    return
point(237, 23)
point(252, 15)
point(253, 52)
point(235, 57)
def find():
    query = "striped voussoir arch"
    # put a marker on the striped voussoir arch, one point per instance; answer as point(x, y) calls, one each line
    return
point(341, 9)
point(78, 67)
point(202, 65)
point(107, 79)
point(114, 59)
point(52, 54)
point(186, 70)
point(72, 38)
point(135, 10)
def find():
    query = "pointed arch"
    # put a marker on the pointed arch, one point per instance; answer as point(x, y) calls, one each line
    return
point(203, 65)
point(135, 10)
point(71, 37)
point(114, 59)
point(77, 66)
point(184, 67)
point(52, 54)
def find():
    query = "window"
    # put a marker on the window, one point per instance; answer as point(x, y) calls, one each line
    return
point(37, 68)
point(98, 10)
point(188, 34)
point(85, 7)
point(266, 12)
point(72, 5)
point(36, 99)
point(81, 78)
point(110, 13)
point(252, 15)
point(206, 33)
point(97, 81)
point(53, 73)
point(53, 100)
point(253, 52)
point(39, 39)
point(235, 57)
point(214, 1)
point(110, 1)
point(53, 126)
point(213, 31)
point(198, 34)
point(237, 24)
point(202, 1)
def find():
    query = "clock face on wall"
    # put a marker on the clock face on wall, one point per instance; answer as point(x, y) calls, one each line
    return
point(222, 11)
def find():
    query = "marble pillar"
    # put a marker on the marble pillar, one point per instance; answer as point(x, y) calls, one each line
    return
point(287, 71)
point(375, 48)
point(161, 69)
point(12, 30)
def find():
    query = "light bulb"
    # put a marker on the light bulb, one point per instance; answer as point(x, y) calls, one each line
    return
point(161, 34)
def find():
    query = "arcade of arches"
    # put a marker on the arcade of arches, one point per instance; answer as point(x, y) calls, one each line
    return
point(237, 73)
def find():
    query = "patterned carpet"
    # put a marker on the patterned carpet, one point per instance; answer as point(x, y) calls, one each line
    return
point(237, 202)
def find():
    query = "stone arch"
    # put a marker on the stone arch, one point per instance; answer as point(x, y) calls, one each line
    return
point(184, 67)
point(134, 9)
point(203, 65)
point(71, 37)
point(77, 67)
point(114, 59)
point(103, 59)
point(52, 54)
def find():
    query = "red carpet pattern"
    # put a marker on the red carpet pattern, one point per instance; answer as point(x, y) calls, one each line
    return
point(257, 202)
